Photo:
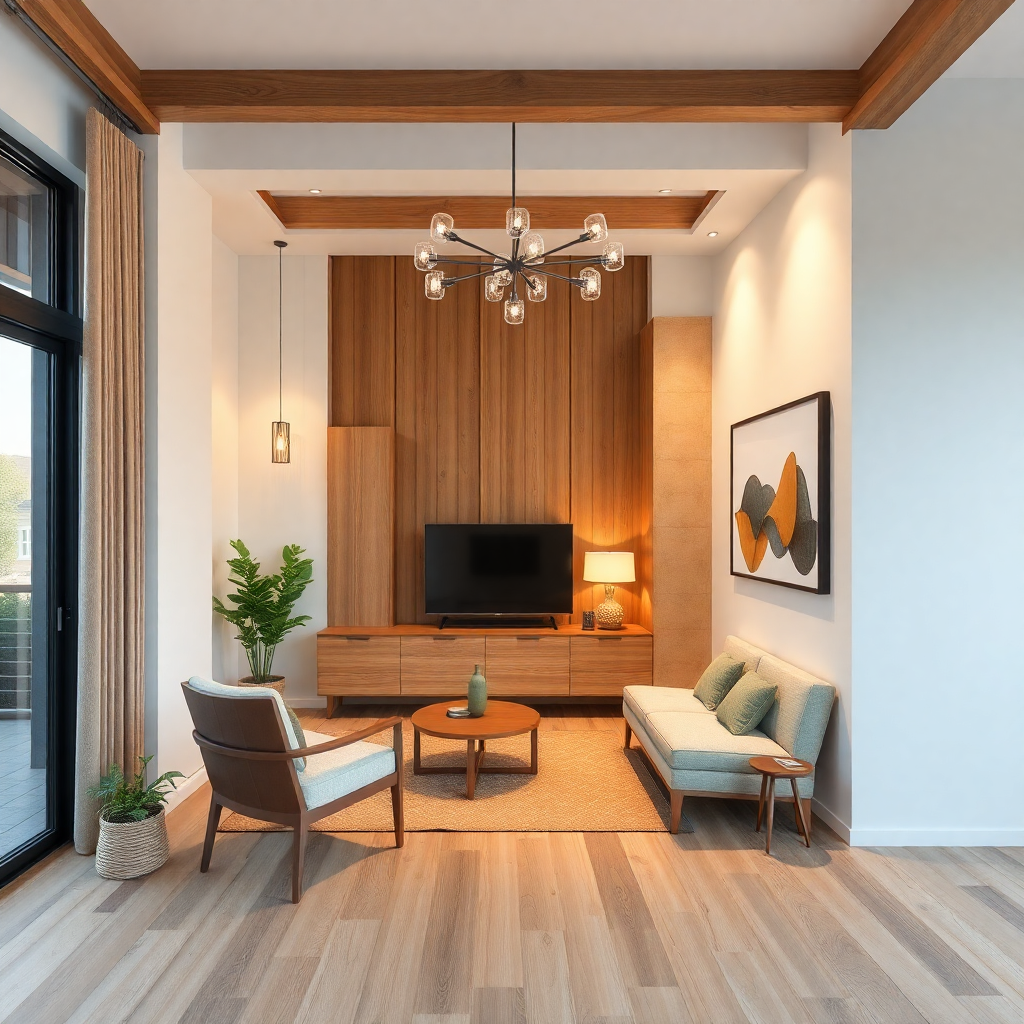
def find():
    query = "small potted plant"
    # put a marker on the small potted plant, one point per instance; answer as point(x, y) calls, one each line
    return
point(133, 829)
point(263, 612)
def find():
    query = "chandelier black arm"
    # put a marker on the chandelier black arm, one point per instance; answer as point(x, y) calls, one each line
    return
point(448, 281)
point(561, 277)
point(576, 241)
point(467, 263)
point(529, 283)
point(602, 260)
point(473, 245)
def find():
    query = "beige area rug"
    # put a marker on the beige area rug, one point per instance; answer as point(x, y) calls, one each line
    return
point(586, 782)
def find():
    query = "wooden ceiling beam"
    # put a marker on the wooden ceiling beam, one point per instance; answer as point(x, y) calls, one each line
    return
point(75, 30)
point(921, 46)
point(338, 213)
point(479, 96)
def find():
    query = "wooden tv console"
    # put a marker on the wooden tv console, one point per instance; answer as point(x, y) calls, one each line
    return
point(422, 661)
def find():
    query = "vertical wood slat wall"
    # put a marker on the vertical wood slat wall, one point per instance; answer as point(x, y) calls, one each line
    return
point(548, 422)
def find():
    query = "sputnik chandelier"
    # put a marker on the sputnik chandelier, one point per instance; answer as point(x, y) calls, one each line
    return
point(522, 265)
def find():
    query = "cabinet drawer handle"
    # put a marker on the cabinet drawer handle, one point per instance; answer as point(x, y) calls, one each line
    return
point(357, 638)
point(536, 638)
point(440, 638)
point(606, 638)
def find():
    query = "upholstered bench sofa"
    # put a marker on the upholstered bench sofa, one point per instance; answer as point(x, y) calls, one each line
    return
point(696, 755)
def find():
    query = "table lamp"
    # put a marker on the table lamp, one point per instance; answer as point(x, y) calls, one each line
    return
point(609, 568)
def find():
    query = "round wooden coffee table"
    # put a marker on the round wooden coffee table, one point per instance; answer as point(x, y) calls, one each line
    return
point(501, 718)
point(771, 770)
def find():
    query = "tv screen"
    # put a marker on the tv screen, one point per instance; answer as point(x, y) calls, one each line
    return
point(517, 569)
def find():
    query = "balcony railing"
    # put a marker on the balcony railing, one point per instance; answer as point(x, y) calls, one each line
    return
point(15, 649)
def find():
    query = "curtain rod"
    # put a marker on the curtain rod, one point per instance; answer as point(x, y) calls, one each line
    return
point(106, 104)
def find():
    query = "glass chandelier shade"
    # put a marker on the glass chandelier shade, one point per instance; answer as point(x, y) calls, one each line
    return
point(280, 431)
point(521, 268)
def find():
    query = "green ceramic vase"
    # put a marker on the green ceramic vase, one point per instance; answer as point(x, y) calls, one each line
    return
point(477, 693)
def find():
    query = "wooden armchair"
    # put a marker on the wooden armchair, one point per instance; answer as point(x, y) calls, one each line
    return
point(253, 759)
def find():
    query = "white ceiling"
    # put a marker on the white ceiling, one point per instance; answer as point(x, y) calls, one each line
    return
point(492, 34)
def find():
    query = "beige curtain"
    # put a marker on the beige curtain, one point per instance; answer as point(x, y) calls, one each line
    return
point(111, 623)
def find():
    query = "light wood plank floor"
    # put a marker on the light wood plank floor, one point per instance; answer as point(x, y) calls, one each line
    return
point(508, 928)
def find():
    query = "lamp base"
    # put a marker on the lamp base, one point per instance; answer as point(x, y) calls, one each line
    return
point(609, 612)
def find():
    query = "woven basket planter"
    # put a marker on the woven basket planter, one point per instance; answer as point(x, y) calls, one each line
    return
point(273, 683)
point(132, 848)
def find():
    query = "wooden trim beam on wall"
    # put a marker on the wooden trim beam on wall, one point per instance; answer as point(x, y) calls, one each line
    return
point(481, 212)
point(921, 46)
point(477, 96)
point(75, 30)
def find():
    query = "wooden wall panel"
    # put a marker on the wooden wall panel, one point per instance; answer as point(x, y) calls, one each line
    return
point(610, 510)
point(682, 498)
point(437, 419)
point(362, 347)
point(524, 412)
point(360, 526)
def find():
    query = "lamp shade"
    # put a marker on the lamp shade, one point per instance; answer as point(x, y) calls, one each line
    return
point(609, 567)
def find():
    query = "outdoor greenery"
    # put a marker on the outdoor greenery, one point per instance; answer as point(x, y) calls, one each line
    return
point(13, 491)
point(124, 800)
point(263, 612)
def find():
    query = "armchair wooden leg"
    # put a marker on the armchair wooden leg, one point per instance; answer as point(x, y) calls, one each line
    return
point(396, 791)
point(211, 832)
point(677, 810)
point(298, 857)
point(629, 737)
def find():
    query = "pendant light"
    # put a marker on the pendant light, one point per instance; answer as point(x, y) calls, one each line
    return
point(280, 431)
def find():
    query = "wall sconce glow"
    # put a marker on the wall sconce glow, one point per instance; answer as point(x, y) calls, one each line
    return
point(664, 191)
point(712, 234)
point(281, 443)
point(314, 191)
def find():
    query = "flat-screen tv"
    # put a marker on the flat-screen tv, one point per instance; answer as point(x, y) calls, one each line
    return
point(489, 569)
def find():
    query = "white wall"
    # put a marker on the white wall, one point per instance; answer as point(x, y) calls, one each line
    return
point(682, 285)
point(938, 469)
point(179, 316)
point(224, 449)
point(285, 504)
point(42, 103)
point(782, 331)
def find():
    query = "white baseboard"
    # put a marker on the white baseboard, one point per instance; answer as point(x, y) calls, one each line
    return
point(185, 789)
point(937, 837)
point(834, 822)
point(306, 702)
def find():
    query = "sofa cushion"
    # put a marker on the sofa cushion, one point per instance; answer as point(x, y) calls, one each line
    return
point(802, 707)
point(746, 704)
point(701, 742)
point(717, 680)
point(742, 651)
point(339, 772)
point(643, 700)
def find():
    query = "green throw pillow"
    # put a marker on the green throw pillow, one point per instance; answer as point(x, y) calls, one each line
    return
point(746, 704)
point(300, 737)
point(718, 679)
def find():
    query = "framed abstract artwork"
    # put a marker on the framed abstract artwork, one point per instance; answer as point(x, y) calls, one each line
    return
point(781, 495)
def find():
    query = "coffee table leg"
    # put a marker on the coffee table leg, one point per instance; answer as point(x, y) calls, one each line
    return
point(416, 752)
point(800, 814)
point(760, 802)
point(533, 752)
point(771, 815)
point(470, 768)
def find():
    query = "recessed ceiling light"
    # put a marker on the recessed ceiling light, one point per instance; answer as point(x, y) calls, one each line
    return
point(665, 191)
point(314, 191)
point(712, 234)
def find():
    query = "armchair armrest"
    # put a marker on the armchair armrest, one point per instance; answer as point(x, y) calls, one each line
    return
point(319, 748)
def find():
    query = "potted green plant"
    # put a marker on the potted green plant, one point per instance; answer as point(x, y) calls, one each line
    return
point(263, 612)
point(133, 829)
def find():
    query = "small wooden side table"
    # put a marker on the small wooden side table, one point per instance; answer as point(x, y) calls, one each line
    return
point(771, 770)
point(502, 718)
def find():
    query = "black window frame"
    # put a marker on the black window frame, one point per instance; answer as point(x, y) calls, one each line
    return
point(55, 327)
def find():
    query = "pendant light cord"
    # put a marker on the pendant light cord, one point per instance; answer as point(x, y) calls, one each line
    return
point(513, 163)
point(280, 333)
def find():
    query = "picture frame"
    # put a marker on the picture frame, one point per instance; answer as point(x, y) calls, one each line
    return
point(780, 495)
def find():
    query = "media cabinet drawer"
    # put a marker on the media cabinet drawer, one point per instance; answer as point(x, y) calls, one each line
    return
point(440, 666)
point(603, 665)
point(527, 665)
point(358, 664)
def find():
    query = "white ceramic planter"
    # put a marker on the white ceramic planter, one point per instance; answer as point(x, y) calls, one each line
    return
point(132, 848)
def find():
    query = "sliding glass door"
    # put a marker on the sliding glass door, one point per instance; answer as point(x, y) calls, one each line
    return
point(39, 360)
